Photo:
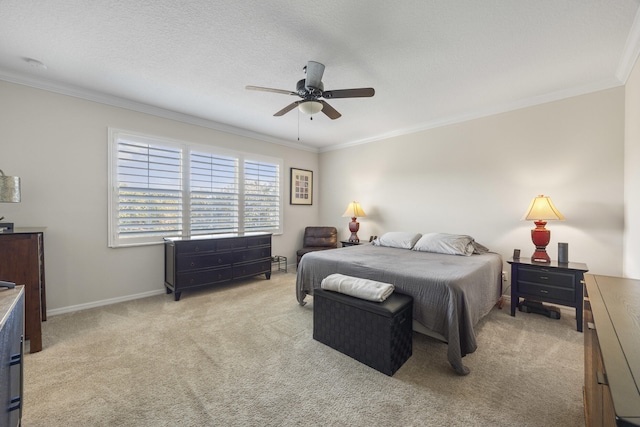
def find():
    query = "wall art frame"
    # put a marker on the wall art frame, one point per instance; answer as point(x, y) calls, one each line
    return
point(301, 187)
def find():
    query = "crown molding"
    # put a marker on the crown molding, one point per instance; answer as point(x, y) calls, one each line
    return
point(139, 107)
point(630, 52)
point(445, 121)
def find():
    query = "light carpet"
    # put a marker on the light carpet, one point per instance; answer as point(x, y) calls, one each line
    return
point(243, 355)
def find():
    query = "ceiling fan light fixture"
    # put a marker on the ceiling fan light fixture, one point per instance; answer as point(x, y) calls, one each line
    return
point(310, 107)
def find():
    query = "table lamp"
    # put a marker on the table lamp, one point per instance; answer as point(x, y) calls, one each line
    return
point(9, 193)
point(540, 211)
point(354, 210)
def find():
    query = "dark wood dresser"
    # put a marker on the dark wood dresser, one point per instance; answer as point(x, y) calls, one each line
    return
point(611, 351)
point(22, 262)
point(11, 355)
point(209, 260)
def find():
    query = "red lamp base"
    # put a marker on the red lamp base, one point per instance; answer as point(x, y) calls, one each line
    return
point(540, 256)
point(354, 226)
point(541, 238)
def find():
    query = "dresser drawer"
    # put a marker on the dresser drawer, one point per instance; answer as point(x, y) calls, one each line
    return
point(239, 243)
point(195, 262)
point(258, 241)
point(547, 292)
point(251, 254)
point(251, 269)
point(204, 277)
point(545, 276)
point(196, 246)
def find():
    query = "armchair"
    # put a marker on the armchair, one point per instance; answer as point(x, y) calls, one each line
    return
point(318, 239)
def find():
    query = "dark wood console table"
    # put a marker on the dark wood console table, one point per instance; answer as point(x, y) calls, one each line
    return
point(611, 351)
point(22, 262)
point(208, 260)
point(11, 355)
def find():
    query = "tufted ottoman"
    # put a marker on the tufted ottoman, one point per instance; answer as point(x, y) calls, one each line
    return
point(377, 334)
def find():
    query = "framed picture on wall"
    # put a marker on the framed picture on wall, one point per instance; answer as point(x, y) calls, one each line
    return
point(301, 187)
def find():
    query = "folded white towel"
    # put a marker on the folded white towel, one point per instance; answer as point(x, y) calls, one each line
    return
point(357, 287)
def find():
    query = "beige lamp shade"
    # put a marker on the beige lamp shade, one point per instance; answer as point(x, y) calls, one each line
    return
point(9, 188)
point(542, 208)
point(354, 211)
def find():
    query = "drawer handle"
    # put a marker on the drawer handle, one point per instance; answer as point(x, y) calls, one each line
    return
point(601, 377)
point(544, 291)
point(15, 404)
point(197, 249)
point(219, 260)
point(544, 277)
point(15, 359)
point(192, 263)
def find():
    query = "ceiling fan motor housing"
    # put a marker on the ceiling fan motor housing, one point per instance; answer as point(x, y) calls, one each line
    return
point(309, 92)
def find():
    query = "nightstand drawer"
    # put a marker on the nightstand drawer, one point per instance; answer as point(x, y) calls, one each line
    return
point(545, 276)
point(547, 292)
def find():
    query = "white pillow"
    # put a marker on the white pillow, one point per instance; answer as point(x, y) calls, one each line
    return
point(397, 239)
point(450, 244)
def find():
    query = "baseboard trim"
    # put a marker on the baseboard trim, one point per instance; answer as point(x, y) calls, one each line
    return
point(74, 308)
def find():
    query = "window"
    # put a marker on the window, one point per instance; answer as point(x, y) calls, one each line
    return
point(163, 188)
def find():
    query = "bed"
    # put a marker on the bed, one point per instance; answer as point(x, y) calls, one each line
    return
point(451, 293)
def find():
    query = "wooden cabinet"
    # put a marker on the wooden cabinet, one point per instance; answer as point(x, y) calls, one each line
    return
point(548, 282)
point(209, 260)
point(22, 262)
point(11, 355)
point(611, 351)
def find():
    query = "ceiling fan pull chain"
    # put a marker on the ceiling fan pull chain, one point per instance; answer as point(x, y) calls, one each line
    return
point(298, 125)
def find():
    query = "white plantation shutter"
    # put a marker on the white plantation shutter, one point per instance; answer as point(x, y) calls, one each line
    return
point(149, 191)
point(162, 188)
point(261, 196)
point(213, 194)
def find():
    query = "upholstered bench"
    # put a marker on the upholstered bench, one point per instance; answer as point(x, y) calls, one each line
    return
point(377, 334)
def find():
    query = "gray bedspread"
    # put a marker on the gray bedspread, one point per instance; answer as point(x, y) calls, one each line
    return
point(451, 293)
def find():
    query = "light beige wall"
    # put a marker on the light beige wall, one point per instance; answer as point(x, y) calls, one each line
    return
point(632, 175)
point(478, 178)
point(57, 145)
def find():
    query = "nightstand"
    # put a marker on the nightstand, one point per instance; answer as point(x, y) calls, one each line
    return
point(346, 243)
point(548, 282)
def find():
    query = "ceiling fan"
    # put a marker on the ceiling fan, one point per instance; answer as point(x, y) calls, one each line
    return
point(311, 89)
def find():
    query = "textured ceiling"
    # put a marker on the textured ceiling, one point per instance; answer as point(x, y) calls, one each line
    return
point(431, 62)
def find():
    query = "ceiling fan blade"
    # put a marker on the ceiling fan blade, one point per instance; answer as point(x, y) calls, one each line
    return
point(330, 111)
point(315, 70)
point(268, 89)
point(349, 93)
point(286, 109)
